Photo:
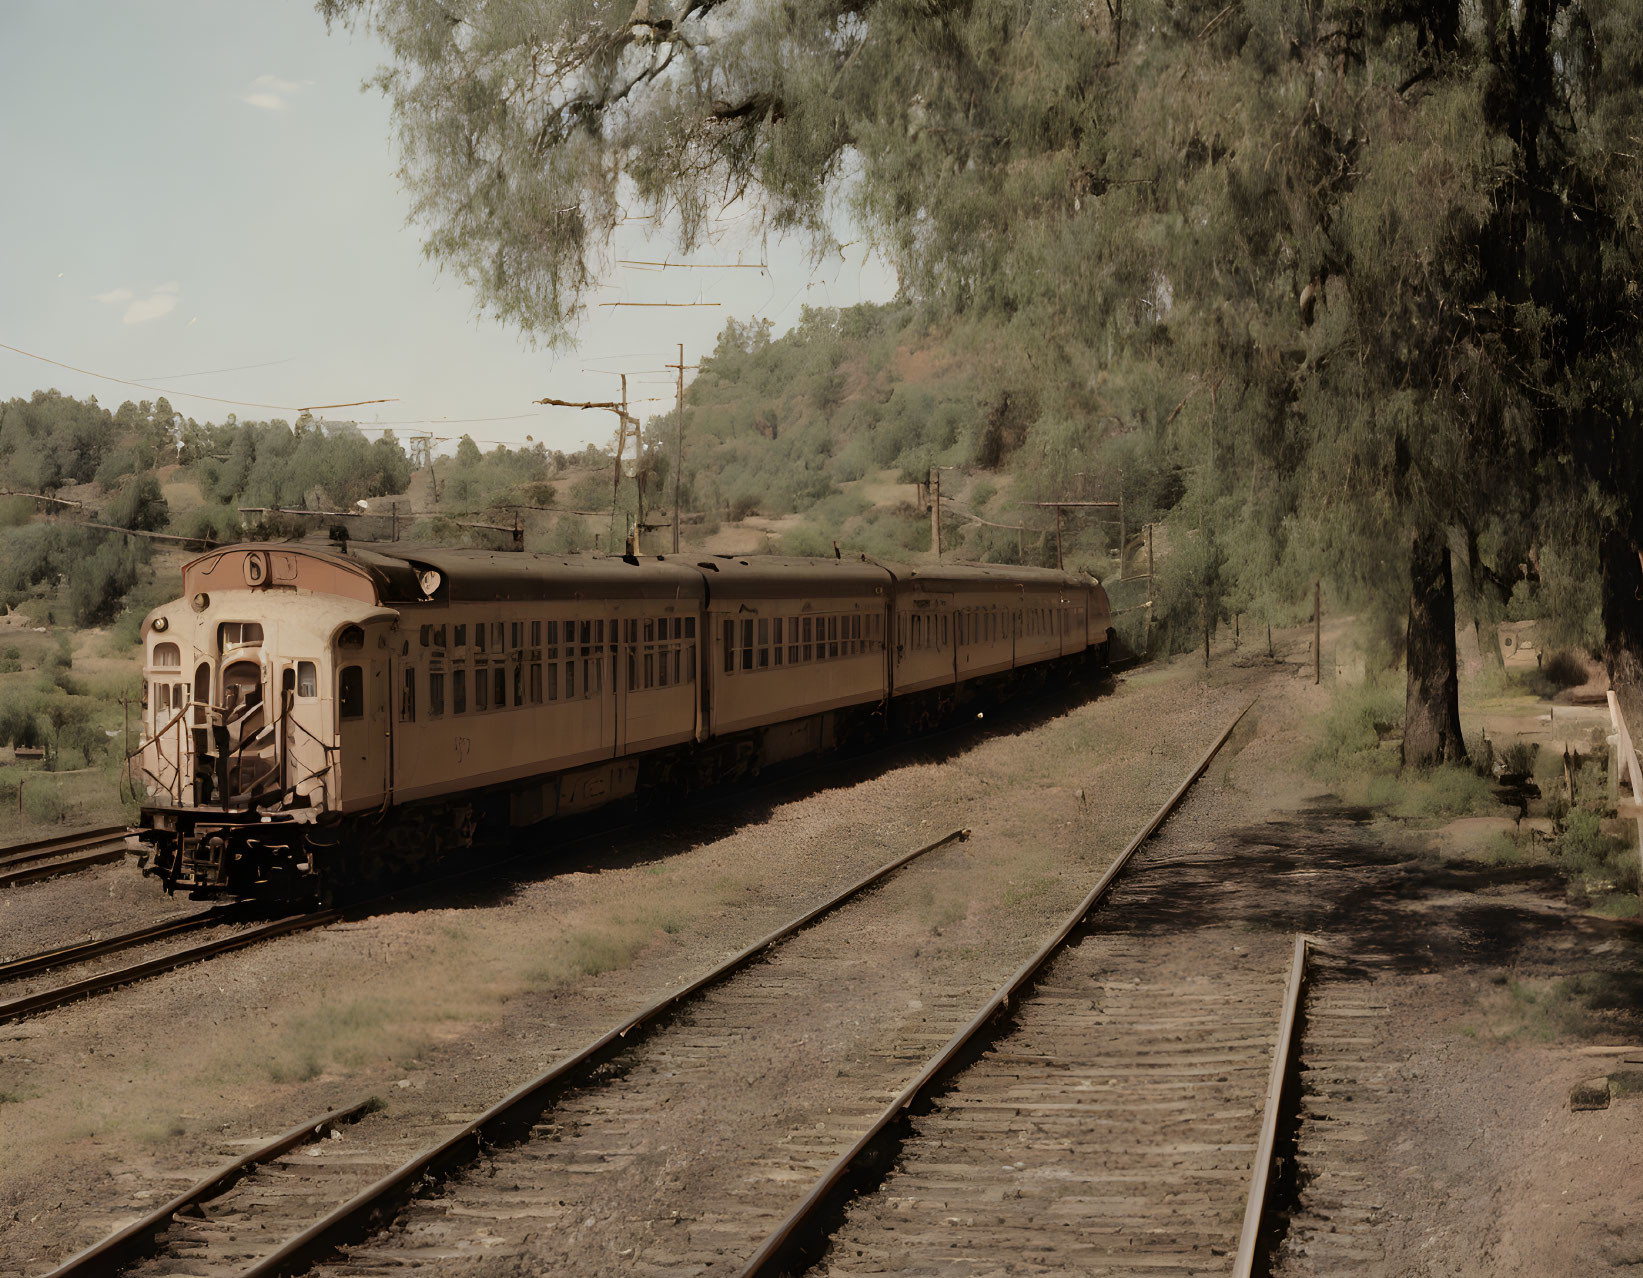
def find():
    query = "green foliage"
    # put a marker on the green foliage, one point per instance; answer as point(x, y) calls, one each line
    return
point(138, 504)
point(99, 582)
point(1359, 718)
point(475, 480)
point(270, 464)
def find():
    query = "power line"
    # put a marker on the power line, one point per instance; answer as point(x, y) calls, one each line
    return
point(215, 399)
point(695, 266)
point(238, 368)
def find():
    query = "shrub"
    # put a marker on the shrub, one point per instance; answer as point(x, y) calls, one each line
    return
point(1358, 717)
point(1564, 669)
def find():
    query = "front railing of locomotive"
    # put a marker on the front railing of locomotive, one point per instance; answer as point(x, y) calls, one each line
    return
point(211, 762)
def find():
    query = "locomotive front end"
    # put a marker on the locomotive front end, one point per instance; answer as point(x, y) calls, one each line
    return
point(239, 761)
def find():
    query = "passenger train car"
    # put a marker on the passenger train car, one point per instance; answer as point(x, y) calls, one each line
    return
point(320, 716)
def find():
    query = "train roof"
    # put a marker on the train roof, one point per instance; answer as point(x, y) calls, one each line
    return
point(393, 573)
point(477, 576)
point(970, 576)
point(786, 576)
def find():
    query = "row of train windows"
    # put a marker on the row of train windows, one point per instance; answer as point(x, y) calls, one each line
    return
point(768, 642)
point(302, 682)
point(978, 625)
point(661, 654)
point(512, 636)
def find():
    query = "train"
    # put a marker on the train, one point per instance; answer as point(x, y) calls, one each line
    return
point(318, 716)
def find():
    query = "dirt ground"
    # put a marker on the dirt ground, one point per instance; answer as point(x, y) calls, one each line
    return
point(1500, 991)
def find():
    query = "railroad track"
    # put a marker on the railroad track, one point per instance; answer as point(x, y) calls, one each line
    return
point(573, 1131)
point(1344, 1103)
point(41, 1000)
point(276, 1217)
point(66, 854)
point(1036, 1128)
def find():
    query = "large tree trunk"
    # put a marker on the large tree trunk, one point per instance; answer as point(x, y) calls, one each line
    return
point(1623, 625)
point(1431, 708)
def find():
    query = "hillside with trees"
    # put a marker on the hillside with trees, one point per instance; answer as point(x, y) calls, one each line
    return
point(1349, 266)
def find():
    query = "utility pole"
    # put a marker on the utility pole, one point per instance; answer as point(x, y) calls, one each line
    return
point(626, 425)
point(679, 451)
point(638, 463)
point(935, 511)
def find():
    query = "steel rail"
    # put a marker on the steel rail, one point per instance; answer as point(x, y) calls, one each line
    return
point(29, 1004)
point(49, 960)
point(514, 1113)
point(784, 1245)
point(1283, 1062)
point(51, 869)
point(137, 1239)
point(14, 853)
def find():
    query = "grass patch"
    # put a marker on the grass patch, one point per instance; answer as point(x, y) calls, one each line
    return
point(1617, 905)
point(591, 952)
point(335, 1034)
point(1544, 1010)
point(1351, 732)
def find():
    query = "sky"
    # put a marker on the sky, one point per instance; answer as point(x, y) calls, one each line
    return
point(199, 196)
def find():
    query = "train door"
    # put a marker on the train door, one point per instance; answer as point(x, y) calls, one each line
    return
point(363, 728)
point(199, 724)
point(626, 647)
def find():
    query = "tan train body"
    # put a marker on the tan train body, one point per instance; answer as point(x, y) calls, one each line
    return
point(315, 716)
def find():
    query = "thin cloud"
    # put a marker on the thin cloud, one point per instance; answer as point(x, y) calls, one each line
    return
point(161, 300)
point(270, 93)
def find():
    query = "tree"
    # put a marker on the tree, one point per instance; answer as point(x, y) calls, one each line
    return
point(1365, 272)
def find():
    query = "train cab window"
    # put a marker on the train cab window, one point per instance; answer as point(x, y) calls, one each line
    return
point(516, 634)
point(747, 644)
point(351, 637)
point(308, 679)
point(436, 693)
point(168, 656)
point(459, 636)
point(459, 692)
point(407, 697)
point(536, 634)
point(479, 636)
point(351, 693)
point(231, 633)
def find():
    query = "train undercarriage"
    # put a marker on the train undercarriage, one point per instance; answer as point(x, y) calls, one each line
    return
point(306, 856)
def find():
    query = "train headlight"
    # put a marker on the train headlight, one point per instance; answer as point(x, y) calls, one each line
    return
point(200, 602)
point(160, 623)
point(429, 581)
